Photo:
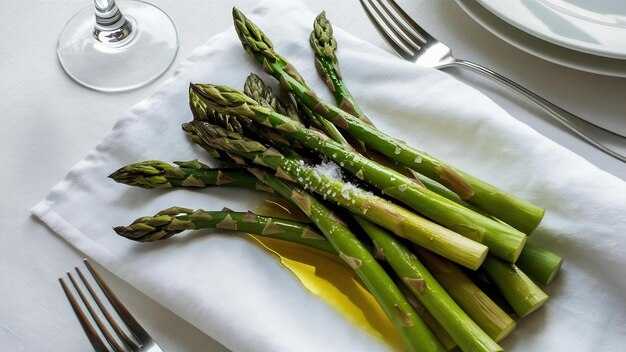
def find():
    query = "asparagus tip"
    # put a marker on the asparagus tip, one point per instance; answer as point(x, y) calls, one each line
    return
point(145, 174)
point(153, 228)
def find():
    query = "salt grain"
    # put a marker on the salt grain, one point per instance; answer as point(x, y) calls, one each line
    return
point(328, 169)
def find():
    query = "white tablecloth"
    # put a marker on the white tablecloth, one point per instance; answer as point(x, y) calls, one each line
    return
point(50, 123)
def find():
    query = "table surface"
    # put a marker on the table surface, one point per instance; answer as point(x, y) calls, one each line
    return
point(50, 123)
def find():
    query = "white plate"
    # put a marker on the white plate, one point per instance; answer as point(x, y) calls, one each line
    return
point(591, 26)
point(540, 48)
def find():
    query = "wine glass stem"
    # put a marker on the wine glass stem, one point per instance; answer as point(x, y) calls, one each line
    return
point(112, 27)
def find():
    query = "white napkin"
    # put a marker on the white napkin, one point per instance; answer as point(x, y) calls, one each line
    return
point(241, 296)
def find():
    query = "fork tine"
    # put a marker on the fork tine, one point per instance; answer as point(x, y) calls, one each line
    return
point(128, 319)
point(400, 29)
point(427, 37)
point(118, 330)
point(392, 27)
point(92, 335)
point(392, 41)
point(95, 317)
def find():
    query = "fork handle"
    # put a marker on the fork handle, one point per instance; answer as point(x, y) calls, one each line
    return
point(569, 120)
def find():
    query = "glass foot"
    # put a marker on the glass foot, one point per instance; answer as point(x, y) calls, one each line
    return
point(129, 64)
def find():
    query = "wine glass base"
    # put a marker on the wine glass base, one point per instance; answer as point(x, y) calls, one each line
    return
point(139, 61)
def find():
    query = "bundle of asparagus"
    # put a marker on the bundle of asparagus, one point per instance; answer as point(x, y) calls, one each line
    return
point(434, 236)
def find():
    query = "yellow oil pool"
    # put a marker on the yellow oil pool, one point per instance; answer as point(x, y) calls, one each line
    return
point(329, 278)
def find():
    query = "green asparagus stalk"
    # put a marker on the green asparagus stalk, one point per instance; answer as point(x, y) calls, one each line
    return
point(514, 211)
point(502, 240)
point(324, 46)
point(393, 217)
point(487, 314)
point(444, 338)
point(177, 219)
point(540, 264)
point(159, 174)
point(518, 289)
point(463, 330)
point(310, 119)
point(330, 130)
point(488, 288)
point(410, 326)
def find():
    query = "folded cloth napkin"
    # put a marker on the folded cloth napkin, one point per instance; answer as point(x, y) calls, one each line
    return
point(240, 295)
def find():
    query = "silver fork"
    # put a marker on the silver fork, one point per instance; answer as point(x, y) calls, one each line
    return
point(139, 339)
point(414, 44)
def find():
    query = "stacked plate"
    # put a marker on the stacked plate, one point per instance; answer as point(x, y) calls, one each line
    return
point(587, 35)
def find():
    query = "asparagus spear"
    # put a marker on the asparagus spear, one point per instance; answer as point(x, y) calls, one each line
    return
point(487, 314)
point(174, 220)
point(502, 240)
point(540, 264)
point(325, 46)
point(518, 289)
point(393, 217)
point(463, 330)
point(514, 211)
point(488, 288)
point(159, 174)
point(446, 341)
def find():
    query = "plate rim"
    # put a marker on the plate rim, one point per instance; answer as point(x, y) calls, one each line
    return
point(618, 52)
point(526, 42)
